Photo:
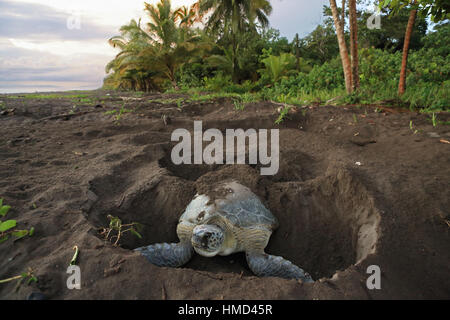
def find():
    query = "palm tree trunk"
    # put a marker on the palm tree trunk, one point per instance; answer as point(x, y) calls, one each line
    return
point(234, 70)
point(297, 51)
point(144, 85)
point(174, 81)
point(342, 47)
point(354, 44)
point(409, 30)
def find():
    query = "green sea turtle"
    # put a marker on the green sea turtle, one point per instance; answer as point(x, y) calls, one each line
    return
point(234, 221)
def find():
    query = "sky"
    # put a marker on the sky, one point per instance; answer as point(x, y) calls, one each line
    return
point(56, 45)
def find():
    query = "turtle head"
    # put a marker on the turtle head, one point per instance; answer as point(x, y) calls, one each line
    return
point(207, 239)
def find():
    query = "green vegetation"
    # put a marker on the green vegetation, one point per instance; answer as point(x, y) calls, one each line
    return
point(118, 113)
point(75, 256)
point(54, 96)
point(117, 229)
point(86, 101)
point(8, 227)
point(277, 67)
point(83, 98)
point(283, 114)
point(151, 57)
point(25, 276)
point(180, 103)
point(236, 56)
point(434, 119)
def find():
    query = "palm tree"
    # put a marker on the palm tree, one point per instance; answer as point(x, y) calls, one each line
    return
point(438, 10)
point(354, 43)
point(129, 72)
point(409, 30)
point(338, 23)
point(174, 41)
point(162, 26)
point(188, 16)
point(149, 56)
point(296, 49)
point(233, 17)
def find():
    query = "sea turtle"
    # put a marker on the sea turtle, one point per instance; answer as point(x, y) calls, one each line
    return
point(233, 220)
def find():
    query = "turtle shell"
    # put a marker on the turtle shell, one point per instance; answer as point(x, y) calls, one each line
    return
point(235, 203)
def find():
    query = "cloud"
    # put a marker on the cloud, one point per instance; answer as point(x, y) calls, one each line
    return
point(39, 52)
point(65, 48)
point(22, 70)
point(102, 12)
point(40, 22)
point(296, 16)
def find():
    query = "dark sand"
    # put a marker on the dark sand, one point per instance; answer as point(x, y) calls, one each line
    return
point(63, 176)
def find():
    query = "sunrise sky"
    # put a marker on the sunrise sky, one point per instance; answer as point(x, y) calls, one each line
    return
point(41, 51)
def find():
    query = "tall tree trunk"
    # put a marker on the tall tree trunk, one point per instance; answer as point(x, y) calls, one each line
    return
point(234, 63)
point(171, 75)
point(297, 51)
point(342, 47)
point(354, 44)
point(409, 30)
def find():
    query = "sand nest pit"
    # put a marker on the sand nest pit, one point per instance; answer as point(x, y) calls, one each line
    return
point(327, 223)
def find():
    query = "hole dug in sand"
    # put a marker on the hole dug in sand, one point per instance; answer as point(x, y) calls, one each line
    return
point(326, 224)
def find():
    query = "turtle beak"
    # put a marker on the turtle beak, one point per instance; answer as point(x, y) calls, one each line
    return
point(204, 240)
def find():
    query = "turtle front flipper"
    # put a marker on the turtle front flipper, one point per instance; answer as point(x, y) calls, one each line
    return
point(266, 265)
point(167, 255)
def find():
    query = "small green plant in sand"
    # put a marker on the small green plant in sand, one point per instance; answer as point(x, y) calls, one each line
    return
point(110, 112)
point(241, 101)
point(25, 276)
point(238, 105)
point(118, 113)
point(284, 112)
point(116, 229)
point(122, 111)
point(411, 127)
point(73, 262)
point(434, 119)
point(86, 101)
point(8, 227)
point(180, 103)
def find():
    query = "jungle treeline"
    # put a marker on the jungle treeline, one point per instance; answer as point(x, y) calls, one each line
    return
point(356, 55)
